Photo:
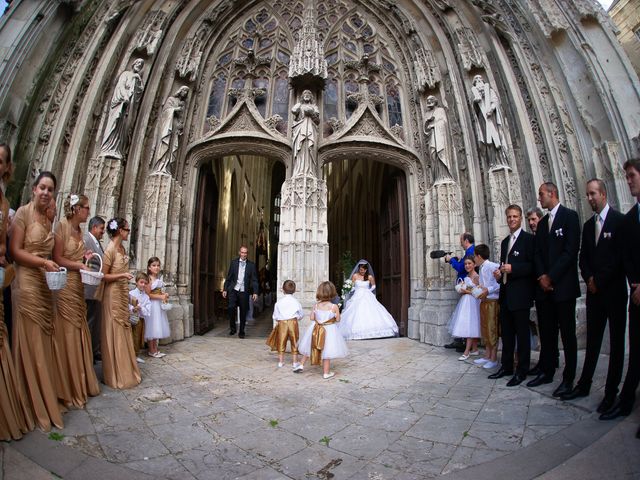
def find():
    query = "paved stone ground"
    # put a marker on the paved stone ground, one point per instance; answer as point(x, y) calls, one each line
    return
point(218, 407)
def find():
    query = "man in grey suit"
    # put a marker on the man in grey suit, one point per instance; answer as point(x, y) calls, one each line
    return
point(92, 243)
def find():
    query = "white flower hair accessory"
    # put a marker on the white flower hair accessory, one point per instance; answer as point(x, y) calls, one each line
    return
point(74, 199)
point(113, 225)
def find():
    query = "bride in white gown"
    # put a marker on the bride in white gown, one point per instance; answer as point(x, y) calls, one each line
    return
point(363, 316)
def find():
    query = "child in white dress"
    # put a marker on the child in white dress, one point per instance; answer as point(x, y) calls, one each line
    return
point(157, 325)
point(465, 320)
point(323, 341)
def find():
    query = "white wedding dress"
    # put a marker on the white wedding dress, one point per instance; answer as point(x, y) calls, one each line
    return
point(365, 317)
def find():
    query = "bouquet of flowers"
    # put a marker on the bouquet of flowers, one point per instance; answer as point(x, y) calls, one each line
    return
point(347, 286)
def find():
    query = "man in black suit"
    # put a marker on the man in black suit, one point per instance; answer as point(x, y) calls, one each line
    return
point(556, 266)
point(628, 240)
point(517, 290)
point(606, 294)
point(241, 281)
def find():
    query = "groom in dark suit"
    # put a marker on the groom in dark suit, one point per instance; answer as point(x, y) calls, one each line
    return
point(606, 294)
point(627, 241)
point(241, 281)
point(556, 265)
point(517, 289)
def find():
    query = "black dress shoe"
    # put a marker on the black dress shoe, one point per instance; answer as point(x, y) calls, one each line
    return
point(516, 380)
point(578, 391)
point(606, 404)
point(541, 379)
point(453, 344)
point(241, 335)
point(535, 371)
point(618, 410)
point(500, 373)
point(564, 388)
point(232, 332)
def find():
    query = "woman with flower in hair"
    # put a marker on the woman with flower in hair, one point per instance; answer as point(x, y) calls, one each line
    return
point(15, 414)
point(72, 332)
point(34, 350)
point(119, 365)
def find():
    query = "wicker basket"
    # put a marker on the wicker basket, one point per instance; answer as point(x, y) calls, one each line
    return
point(56, 280)
point(92, 278)
point(166, 306)
point(134, 318)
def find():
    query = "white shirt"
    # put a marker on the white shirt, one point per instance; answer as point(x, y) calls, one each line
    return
point(603, 214)
point(515, 237)
point(488, 281)
point(240, 282)
point(287, 308)
point(144, 302)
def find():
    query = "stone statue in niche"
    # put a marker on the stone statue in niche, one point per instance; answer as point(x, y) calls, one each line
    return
point(436, 129)
point(490, 122)
point(123, 103)
point(170, 129)
point(305, 135)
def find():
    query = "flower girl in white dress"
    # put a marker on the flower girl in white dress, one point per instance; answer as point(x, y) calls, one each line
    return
point(322, 341)
point(363, 316)
point(465, 320)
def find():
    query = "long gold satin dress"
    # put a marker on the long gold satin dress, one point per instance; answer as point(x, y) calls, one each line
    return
point(34, 351)
point(119, 366)
point(15, 416)
point(72, 335)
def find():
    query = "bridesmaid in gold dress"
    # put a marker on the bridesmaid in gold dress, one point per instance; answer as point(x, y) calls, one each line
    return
point(15, 416)
point(34, 350)
point(71, 330)
point(119, 364)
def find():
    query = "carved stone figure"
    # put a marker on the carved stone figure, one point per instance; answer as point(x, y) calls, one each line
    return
point(489, 126)
point(169, 130)
point(305, 135)
point(123, 103)
point(436, 129)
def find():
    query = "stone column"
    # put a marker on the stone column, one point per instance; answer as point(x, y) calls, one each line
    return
point(102, 186)
point(444, 224)
point(303, 250)
point(159, 229)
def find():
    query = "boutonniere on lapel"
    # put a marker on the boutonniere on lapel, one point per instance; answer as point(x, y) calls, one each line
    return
point(559, 233)
point(515, 253)
point(606, 234)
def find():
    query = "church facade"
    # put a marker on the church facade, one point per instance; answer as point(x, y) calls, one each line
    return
point(315, 132)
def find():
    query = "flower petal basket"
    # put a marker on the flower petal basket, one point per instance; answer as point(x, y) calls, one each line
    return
point(92, 278)
point(56, 280)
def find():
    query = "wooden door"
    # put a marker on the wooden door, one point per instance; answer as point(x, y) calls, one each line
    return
point(204, 260)
point(393, 276)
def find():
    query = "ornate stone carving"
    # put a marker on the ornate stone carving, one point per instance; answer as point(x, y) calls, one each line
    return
point(436, 129)
point(273, 121)
point(469, 49)
point(489, 122)
point(214, 123)
point(148, 37)
point(493, 16)
point(170, 127)
point(336, 125)
point(304, 133)
point(443, 5)
point(246, 93)
point(426, 69)
point(365, 98)
point(364, 67)
point(124, 101)
point(251, 62)
point(308, 59)
point(398, 131)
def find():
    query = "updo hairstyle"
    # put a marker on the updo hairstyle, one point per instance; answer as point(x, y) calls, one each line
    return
point(69, 210)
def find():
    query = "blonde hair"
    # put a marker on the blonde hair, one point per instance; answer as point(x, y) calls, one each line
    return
point(70, 211)
point(326, 292)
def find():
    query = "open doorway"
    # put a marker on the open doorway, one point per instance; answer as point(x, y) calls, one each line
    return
point(237, 203)
point(367, 218)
